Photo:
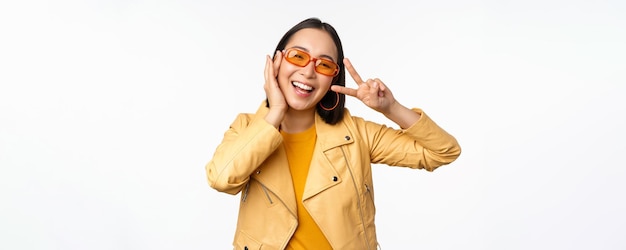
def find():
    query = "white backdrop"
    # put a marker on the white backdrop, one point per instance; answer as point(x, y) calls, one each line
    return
point(109, 111)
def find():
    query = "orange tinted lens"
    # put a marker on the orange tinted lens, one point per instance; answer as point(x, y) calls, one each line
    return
point(298, 58)
point(326, 67)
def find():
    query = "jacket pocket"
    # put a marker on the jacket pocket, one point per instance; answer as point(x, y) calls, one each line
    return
point(243, 241)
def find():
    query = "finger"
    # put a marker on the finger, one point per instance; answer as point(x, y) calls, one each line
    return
point(271, 66)
point(352, 71)
point(373, 86)
point(381, 85)
point(267, 72)
point(344, 90)
point(278, 56)
point(378, 87)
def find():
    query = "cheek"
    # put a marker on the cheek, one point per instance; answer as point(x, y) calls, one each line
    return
point(284, 73)
point(326, 81)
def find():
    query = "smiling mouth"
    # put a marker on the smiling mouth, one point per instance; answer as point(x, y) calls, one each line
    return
point(302, 86)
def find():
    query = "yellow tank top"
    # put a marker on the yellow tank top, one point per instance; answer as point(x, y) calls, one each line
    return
point(299, 149)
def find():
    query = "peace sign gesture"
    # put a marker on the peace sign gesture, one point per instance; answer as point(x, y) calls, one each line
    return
point(373, 92)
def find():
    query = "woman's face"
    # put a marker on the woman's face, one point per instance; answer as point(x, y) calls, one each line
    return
point(303, 87)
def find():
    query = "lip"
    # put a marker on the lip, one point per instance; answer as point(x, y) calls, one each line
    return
point(301, 92)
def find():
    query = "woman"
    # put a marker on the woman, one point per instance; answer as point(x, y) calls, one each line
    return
point(303, 164)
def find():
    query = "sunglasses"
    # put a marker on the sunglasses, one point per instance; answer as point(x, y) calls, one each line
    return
point(301, 59)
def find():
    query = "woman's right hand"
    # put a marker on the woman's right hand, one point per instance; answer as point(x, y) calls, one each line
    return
point(278, 104)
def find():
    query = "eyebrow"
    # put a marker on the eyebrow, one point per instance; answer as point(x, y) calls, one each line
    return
point(305, 49)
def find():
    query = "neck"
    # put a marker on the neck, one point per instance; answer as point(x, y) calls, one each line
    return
point(296, 121)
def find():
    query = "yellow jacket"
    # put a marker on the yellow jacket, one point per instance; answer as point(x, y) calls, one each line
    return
point(339, 189)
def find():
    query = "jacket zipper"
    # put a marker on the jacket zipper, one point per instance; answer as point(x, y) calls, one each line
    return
point(247, 188)
point(267, 194)
point(358, 200)
point(245, 192)
point(367, 188)
point(369, 192)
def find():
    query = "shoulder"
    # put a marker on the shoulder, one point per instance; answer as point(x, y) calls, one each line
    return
point(243, 119)
point(358, 121)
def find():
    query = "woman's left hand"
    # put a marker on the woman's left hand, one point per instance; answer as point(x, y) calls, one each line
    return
point(373, 92)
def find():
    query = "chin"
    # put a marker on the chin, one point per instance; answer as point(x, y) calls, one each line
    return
point(301, 106)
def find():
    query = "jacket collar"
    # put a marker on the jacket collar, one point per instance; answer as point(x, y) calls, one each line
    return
point(323, 172)
point(333, 135)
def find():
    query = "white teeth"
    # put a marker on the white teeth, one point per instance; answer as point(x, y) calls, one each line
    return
point(302, 86)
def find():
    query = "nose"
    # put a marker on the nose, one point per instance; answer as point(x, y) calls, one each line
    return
point(309, 69)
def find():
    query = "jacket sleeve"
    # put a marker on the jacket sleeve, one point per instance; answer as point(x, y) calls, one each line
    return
point(246, 144)
point(424, 145)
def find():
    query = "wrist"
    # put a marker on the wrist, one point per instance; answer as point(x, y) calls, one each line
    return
point(394, 108)
point(274, 117)
point(402, 115)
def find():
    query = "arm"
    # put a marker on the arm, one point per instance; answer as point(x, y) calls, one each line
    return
point(246, 144)
point(402, 116)
point(423, 145)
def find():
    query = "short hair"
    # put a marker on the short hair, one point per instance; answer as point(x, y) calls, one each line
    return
point(330, 98)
